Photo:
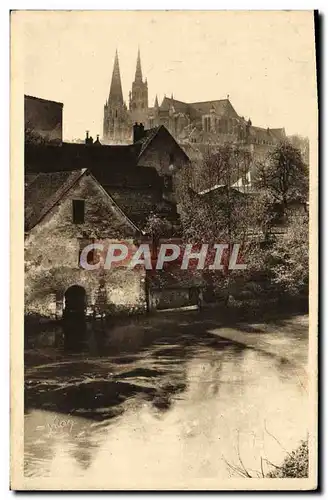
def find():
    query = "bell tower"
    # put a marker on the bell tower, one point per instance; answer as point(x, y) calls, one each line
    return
point(138, 97)
point(116, 129)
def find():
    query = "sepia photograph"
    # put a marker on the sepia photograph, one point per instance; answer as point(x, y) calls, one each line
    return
point(164, 198)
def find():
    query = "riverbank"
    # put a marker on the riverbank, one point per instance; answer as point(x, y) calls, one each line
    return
point(270, 331)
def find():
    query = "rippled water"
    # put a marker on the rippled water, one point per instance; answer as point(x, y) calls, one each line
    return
point(192, 408)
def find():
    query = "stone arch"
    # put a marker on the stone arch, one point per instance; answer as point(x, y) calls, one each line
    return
point(75, 299)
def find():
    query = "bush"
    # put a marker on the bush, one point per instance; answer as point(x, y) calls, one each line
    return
point(296, 464)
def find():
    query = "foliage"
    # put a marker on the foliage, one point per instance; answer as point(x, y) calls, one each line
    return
point(296, 464)
point(290, 257)
point(211, 209)
point(283, 175)
point(157, 226)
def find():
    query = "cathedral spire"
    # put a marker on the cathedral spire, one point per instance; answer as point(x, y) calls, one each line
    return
point(156, 102)
point(115, 92)
point(138, 76)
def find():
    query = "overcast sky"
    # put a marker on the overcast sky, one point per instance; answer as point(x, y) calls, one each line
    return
point(263, 60)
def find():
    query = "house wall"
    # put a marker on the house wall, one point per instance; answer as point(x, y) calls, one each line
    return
point(52, 254)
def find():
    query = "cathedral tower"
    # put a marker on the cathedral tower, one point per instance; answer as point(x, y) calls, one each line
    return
point(138, 97)
point(116, 127)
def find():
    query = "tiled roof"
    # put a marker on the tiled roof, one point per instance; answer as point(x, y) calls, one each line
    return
point(139, 204)
point(70, 156)
point(267, 134)
point(44, 192)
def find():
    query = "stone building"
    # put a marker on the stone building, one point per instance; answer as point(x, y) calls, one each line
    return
point(55, 237)
point(43, 120)
point(204, 125)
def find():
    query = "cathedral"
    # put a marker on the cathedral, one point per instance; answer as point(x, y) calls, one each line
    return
point(118, 119)
point(195, 124)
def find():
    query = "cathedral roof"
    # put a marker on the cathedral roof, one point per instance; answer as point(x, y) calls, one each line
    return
point(179, 106)
point(222, 107)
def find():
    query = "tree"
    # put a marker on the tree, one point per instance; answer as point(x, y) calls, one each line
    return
point(213, 211)
point(283, 176)
point(290, 258)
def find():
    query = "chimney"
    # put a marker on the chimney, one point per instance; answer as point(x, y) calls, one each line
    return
point(138, 132)
point(88, 140)
point(97, 142)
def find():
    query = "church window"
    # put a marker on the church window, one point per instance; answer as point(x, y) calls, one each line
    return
point(171, 158)
point(116, 113)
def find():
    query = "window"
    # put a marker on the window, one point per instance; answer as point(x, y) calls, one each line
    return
point(171, 158)
point(78, 211)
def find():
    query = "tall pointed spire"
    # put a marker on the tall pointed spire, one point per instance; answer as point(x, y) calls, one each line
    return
point(156, 102)
point(115, 92)
point(138, 76)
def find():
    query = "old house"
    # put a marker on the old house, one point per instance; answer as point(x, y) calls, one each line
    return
point(65, 211)
point(43, 120)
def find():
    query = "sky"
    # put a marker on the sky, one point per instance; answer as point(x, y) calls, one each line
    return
point(264, 61)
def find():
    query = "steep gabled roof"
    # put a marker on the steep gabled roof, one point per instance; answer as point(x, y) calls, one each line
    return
point(150, 135)
point(44, 192)
point(179, 106)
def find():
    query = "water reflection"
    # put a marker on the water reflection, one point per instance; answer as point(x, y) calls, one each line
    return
point(185, 410)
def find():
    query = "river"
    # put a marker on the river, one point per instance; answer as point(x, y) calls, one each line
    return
point(186, 406)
